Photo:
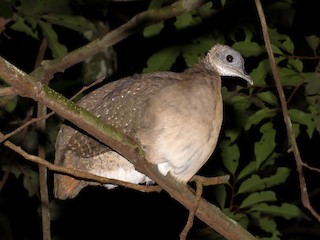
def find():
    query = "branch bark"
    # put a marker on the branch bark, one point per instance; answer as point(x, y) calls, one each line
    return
point(43, 171)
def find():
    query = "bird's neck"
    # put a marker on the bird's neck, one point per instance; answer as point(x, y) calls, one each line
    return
point(210, 74)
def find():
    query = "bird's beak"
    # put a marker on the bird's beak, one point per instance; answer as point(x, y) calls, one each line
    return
point(246, 77)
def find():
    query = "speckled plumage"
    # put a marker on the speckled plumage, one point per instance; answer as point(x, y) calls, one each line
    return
point(175, 117)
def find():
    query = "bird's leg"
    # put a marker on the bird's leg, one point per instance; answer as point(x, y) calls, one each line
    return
point(192, 212)
point(200, 182)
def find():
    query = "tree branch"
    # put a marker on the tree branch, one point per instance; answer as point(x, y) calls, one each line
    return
point(138, 22)
point(295, 149)
point(43, 171)
point(7, 91)
point(77, 173)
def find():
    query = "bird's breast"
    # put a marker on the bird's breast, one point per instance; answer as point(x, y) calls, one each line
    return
point(184, 131)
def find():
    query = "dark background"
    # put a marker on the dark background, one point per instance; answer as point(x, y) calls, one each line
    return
point(123, 213)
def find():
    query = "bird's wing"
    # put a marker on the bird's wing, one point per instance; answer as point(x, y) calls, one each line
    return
point(120, 104)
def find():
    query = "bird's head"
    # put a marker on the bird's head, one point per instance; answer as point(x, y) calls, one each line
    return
point(227, 62)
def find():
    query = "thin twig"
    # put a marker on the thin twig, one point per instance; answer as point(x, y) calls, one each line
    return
point(303, 186)
point(303, 57)
point(99, 80)
point(311, 168)
point(4, 179)
point(23, 126)
point(6, 91)
point(76, 173)
point(43, 172)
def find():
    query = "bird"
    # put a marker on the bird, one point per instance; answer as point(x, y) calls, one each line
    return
point(175, 117)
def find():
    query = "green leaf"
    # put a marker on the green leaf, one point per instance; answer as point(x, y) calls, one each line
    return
point(313, 42)
point(268, 97)
point(220, 193)
point(269, 225)
point(232, 134)
point(251, 184)
point(162, 60)
point(298, 116)
point(56, 210)
point(197, 49)
point(58, 49)
point(247, 170)
point(230, 155)
point(30, 177)
point(40, 7)
point(76, 23)
point(249, 49)
point(153, 30)
point(317, 123)
point(31, 182)
point(270, 161)
point(296, 64)
point(286, 210)
point(258, 197)
point(186, 20)
point(288, 45)
point(276, 50)
point(241, 102)
point(290, 77)
point(259, 74)
point(11, 104)
point(223, 2)
point(281, 40)
point(313, 83)
point(255, 183)
point(21, 26)
point(206, 10)
point(258, 116)
point(240, 218)
point(266, 145)
point(296, 129)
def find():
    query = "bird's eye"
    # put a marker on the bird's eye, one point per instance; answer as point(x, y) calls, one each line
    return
point(229, 58)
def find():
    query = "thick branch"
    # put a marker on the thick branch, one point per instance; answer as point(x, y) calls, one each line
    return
point(208, 213)
point(303, 186)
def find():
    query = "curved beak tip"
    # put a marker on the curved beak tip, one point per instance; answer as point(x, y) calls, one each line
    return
point(249, 79)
